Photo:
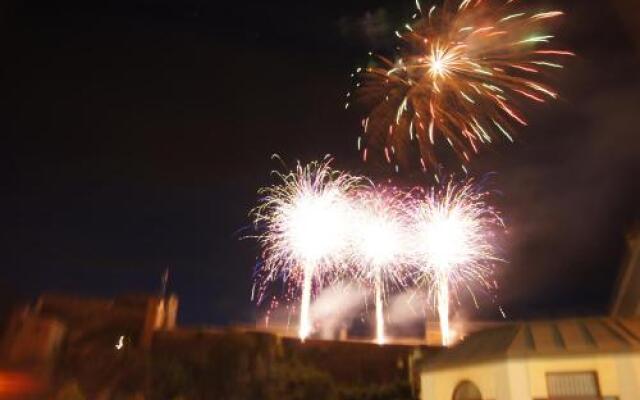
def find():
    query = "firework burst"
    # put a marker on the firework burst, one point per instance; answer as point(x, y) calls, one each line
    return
point(320, 226)
point(379, 245)
point(305, 224)
point(463, 73)
point(452, 234)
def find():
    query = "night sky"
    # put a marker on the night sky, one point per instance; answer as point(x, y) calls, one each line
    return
point(135, 134)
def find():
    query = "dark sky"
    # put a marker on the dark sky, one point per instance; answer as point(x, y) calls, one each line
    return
point(136, 132)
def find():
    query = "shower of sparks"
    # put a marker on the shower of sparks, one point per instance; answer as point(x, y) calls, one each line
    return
point(379, 245)
point(463, 73)
point(320, 226)
point(305, 224)
point(453, 228)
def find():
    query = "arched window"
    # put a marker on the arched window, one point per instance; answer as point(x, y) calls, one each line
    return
point(467, 390)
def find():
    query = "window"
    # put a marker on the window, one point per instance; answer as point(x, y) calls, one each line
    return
point(466, 390)
point(573, 385)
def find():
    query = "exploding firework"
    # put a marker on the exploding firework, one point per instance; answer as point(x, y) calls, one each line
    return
point(453, 228)
point(305, 224)
point(462, 75)
point(320, 225)
point(379, 245)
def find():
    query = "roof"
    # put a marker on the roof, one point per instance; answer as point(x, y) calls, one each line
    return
point(555, 338)
point(626, 302)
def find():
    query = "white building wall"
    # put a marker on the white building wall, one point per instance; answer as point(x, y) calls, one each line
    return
point(439, 385)
point(517, 382)
point(628, 370)
point(526, 379)
point(605, 365)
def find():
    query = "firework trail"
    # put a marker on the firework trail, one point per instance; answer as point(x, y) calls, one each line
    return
point(305, 224)
point(380, 245)
point(453, 227)
point(320, 225)
point(462, 75)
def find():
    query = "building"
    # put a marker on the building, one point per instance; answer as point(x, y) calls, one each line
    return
point(64, 330)
point(33, 340)
point(586, 359)
point(594, 358)
point(626, 301)
point(36, 334)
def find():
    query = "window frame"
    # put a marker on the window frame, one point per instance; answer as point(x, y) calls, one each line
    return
point(595, 375)
point(459, 385)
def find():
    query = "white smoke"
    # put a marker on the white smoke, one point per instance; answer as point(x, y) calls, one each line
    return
point(334, 308)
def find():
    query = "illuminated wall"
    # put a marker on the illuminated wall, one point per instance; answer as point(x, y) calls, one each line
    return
point(525, 379)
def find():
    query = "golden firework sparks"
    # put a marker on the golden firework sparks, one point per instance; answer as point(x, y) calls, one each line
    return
point(461, 77)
